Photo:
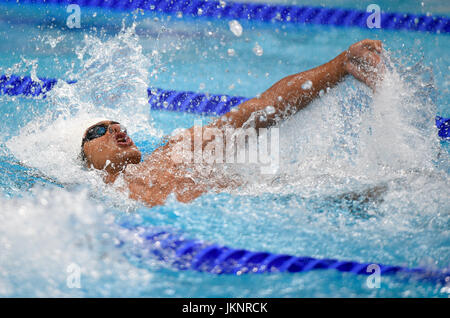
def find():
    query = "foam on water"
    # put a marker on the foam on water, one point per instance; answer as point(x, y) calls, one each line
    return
point(45, 235)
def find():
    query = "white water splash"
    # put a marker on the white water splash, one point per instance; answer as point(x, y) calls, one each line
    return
point(47, 232)
point(258, 50)
point(352, 138)
point(112, 85)
point(235, 28)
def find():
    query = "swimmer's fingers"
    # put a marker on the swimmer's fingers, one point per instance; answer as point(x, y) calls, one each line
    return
point(369, 59)
point(361, 74)
point(372, 62)
point(364, 62)
point(373, 45)
point(359, 49)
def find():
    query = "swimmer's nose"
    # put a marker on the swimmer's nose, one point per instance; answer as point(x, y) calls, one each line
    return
point(116, 128)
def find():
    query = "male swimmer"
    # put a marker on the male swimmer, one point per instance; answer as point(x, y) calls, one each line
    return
point(106, 145)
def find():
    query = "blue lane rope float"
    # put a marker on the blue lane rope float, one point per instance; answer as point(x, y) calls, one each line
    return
point(443, 124)
point(192, 102)
point(13, 85)
point(267, 13)
point(188, 254)
point(159, 99)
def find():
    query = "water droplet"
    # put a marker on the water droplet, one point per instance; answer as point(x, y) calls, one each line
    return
point(258, 50)
point(222, 3)
point(307, 85)
point(179, 14)
point(235, 27)
point(199, 11)
point(231, 52)
point(270, 110)
point(202, 86)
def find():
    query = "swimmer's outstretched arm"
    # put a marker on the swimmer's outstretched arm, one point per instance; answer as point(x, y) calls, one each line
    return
point(295, 92)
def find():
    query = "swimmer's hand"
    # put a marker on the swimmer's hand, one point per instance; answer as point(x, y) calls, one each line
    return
point(363, 61)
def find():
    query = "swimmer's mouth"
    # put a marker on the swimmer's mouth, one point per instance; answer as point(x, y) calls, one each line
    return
point(123, 140)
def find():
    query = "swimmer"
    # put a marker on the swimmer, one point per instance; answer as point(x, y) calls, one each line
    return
point(106, 145)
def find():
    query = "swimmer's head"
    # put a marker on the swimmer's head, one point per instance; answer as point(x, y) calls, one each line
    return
point(106, 145)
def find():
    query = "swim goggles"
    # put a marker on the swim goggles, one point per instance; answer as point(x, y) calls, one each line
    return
point(99, 131)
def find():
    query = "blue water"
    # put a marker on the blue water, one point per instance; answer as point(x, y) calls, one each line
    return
point(55, 214)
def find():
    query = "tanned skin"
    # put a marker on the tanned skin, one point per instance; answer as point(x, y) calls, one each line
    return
point(154, 179)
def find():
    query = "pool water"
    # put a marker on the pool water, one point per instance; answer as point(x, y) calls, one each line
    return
point(55, 214)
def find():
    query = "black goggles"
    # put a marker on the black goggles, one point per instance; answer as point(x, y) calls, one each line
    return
point(98, 131)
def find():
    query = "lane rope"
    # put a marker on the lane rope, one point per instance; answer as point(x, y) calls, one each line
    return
point(290, 14)
point(187, 254)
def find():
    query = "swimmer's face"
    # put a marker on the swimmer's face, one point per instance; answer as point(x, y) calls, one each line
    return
point(106, 145)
